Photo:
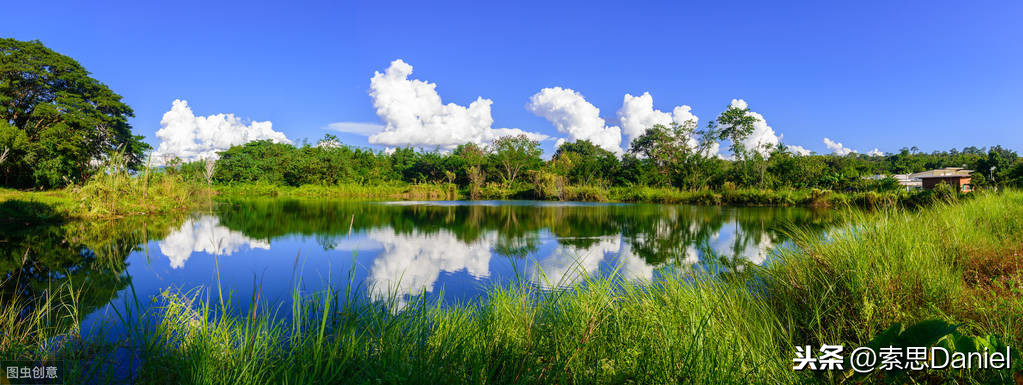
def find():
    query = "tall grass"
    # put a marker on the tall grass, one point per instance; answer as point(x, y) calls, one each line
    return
point(112, 192)
point(908, 266)
point(599, 331)
point(400, 191)
point(542, 190)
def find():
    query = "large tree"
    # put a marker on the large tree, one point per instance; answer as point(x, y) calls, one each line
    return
point(585, 162)
point(513, 154)
point(56, 120)
point(679, 151)
point(735, 124)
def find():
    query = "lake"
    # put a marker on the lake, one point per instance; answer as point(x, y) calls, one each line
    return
point(387, 251)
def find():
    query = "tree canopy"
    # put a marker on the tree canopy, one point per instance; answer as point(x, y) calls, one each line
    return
point(56, 120)
point(514, 153)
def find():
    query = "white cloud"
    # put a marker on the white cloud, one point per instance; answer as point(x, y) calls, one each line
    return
point(573, 115)
point(837, 148)
point(875, 152)
point(190, 137)
point(763, 138)
point(798, 150)
point(204, 235)
point(359, 128)
point(638, 115)
point(414, 115)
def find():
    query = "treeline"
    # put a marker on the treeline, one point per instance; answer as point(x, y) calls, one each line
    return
point(512, 161)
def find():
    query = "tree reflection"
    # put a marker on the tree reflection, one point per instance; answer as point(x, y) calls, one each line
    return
point(558, 243)
point(638, 237)
point(45, 259)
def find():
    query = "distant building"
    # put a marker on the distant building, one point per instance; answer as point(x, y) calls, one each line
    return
point(905, 180)
point(957, 177)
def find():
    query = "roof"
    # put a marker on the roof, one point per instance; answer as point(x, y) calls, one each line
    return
point(947, 172)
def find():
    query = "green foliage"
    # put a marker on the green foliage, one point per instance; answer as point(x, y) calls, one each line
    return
point(64, 118)
point(674, 156)
point(676, 153)
point(585, 163)
point(286, 165)
point(735, 124)
point(928, 334)
point(514, 154)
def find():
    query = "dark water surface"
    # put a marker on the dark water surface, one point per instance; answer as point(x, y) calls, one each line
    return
point(453, 250)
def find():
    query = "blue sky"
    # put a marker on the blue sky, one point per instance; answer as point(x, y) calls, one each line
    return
point(884, 75)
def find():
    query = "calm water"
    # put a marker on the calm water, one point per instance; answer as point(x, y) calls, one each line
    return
point(449, 250)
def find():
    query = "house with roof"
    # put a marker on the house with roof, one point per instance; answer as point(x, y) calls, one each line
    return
point(958, 177)
point(905, 180)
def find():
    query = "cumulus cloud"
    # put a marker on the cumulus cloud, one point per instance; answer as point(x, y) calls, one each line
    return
point(414, 115)
point(204, 235)
point(763, 138)
point(798, 150)
point(837, 148)
point(190, 137)
point(571, 114)
point(875, 152)
point(638, 115)
point(359, 128)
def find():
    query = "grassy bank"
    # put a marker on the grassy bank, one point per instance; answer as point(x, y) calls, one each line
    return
point(106, 195)
point(115, 194)
point(398, 191)
point(958, 262)
point(636, 194)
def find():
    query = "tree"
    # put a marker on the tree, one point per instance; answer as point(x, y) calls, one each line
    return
point(1015, 174)
point(68, 118)
point(584, 162)
point(790, 170)
point(676, 152)
point(467, 160)
point(515, 153)
point(735, 124)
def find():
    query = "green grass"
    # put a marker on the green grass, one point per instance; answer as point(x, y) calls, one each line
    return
point(108, 194)
point(638, 194)
point(397, 191)
point(958, 261)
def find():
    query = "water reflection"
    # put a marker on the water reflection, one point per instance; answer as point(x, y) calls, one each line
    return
point(205, 234)
point(455, 248)
point(412, 263)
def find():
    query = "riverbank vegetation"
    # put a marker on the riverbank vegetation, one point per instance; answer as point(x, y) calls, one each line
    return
point(579, 171)
point(512, 167)
point(112, 192)
point(956, 262)
point(660, 167)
